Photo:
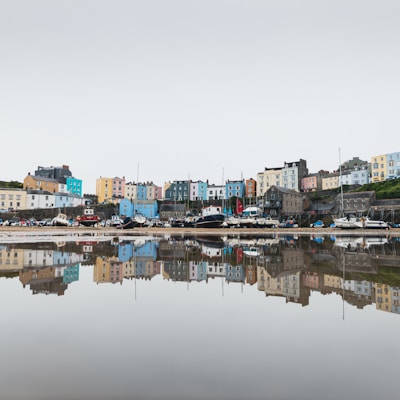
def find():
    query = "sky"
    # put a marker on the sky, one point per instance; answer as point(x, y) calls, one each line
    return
point(164, 90)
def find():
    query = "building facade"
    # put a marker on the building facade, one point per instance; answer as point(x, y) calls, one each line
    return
point(379, 168)
point(393, 165)
point(12, 199)
point(42, 183)
point(234, 189)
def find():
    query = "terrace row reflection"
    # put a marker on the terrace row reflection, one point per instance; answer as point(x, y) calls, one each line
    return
point(364, 270)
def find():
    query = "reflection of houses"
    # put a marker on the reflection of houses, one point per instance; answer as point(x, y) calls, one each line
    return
point(312, 280)
point(286, 285)
point(38, 258)
point(234, 273)
point(288, 259)
point(11, 259)
point(360, 293)
point(108, 270)
point(71, 274)
point(387, 298)
point(251, 274)
point(43, 280)
point(331, 283)
point(198, 270)
point(216, 270)
point(172, 249)
point(358, 262)
point(176, 270)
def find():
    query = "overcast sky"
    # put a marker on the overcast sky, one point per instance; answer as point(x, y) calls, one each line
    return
point(176, 89)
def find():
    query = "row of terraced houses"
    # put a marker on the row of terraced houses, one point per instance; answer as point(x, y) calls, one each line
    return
point(56, 187)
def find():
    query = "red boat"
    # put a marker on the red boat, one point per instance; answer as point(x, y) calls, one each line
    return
point(88, 218)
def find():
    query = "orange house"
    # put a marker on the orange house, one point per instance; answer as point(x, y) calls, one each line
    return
point(41, 183)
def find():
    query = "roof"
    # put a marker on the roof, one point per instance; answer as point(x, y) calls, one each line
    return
point(44, 179)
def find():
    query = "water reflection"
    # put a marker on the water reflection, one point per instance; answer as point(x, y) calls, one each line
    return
point(363, 270)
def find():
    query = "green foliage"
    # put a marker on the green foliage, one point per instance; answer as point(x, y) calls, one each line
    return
point(11, 185)
point(384, 190)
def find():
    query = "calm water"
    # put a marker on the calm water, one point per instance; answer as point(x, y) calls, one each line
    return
point(278, 317)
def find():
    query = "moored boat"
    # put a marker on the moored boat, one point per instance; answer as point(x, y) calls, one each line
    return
point(211, 217)
point(136, 221)
point(60, 220)
point(89, 218)
point(348, 222)
point(375, 224)
point(267, 222)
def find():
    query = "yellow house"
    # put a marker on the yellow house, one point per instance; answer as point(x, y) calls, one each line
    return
point(12, 199)
point(268, 178)
point(378, 168)
point(104, 189)
point(330, 181)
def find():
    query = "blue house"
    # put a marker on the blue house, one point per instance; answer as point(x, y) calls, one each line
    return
point(126, 208)
point(141, 192)
point(148, 208)
point(234, 189)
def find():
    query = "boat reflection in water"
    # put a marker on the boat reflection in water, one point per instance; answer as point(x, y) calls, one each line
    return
point(279, 265)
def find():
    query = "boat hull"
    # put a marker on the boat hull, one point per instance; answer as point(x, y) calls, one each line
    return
point(88, 222)
point(372, 224)
point(210, 221)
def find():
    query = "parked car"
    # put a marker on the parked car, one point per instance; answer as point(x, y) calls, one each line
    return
point(45, 222)
point(14, 221)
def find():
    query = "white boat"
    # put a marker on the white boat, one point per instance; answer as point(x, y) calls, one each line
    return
point(115, 220)
point(267, 222)
point(60, 220)
point(348, 222)
point(375, 224)
point(232, 221)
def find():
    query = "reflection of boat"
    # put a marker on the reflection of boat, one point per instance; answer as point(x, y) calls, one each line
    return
point(359, 242)
point(351, 242)
point(60, 220)
point(89, 218)
point(374, 241)
point(211, 217)
point(251, 251)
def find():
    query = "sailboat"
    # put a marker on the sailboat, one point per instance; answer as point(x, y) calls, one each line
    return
point(345, 221)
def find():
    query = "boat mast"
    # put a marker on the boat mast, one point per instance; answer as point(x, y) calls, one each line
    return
point(188, 197)
point(137, 189)
point(341, 186)
point(223, 191)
